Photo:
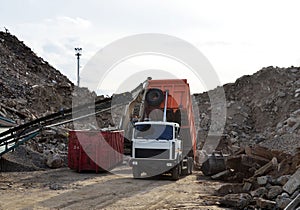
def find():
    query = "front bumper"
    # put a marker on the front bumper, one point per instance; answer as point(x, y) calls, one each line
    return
point(153, 166)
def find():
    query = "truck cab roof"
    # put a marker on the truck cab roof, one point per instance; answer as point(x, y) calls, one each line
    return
point(157, 123)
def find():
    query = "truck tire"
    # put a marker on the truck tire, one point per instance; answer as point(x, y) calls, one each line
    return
point(176, 171)
point(154, 97)
point(190, 165)
point(185, 167)
point(136, 173)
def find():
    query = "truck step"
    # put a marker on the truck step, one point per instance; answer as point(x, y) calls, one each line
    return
point(184, 167)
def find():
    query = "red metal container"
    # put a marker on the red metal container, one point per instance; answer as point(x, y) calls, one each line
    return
point(95, 150)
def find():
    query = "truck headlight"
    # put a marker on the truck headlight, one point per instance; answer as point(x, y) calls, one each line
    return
point(169, 164)
point(134, 163)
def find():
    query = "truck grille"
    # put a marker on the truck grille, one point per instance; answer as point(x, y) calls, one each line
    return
point(152, 153)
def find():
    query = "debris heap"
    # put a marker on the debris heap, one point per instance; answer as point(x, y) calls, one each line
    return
point(31, 88)
point(263, 109)
point(259, 151)
point(260, 178)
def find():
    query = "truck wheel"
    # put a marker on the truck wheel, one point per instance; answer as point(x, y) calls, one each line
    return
point(185, 168)
point(136, 172)
point(176, 171)
point(154, 97)
point(190, 165)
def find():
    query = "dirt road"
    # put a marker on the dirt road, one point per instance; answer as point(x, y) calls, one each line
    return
point(66, 189)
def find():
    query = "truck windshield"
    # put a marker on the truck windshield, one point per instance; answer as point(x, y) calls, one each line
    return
point(153, 131)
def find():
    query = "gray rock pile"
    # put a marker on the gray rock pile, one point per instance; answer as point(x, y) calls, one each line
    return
point(267, 179)
point(266, 193)
point(260, 140)
point(30, 88)
point(261, 109)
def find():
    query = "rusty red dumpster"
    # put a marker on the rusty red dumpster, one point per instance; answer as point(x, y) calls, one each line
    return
point(95, 150)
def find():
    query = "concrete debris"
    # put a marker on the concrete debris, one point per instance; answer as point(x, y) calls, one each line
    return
point(294, 204)
point(274, 191)
point(261, 109)
point(260, 192)
point(54, 161)
point(31, 88)
point(270, 177)
point(282, 202)
point(266, 168)
point(238, 201)
point(221, 174)
point(55, 186)
point(293, 183)
point(265, 204)
point(230, 189)
point(263, 180)
point(283, 180)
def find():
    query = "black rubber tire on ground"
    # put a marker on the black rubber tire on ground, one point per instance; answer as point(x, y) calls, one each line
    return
point(154, 96)
point(190, 165)
point(136, 173)
point(176, 171)
point(184, 172)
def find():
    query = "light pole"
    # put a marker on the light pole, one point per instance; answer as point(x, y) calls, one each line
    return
point(78, 54)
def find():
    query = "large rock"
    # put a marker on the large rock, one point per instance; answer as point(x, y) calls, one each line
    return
point(260, 192)
point(293, 184)
point(265, 204)
point(274, 192)
point(262, 180)
point(238, 201)
point(282, 202)
point(283, 179)
point(54, 161)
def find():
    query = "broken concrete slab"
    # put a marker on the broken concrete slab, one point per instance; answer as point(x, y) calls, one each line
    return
point(274, 191)
point(262, 180)
point(247, 186)
point(222, 174)
point(294, 204)
point(283, 179)
point(282, 202)
point(259, 151)
point(230, 189)
point(265, 204)
point(54, 161)
point(252, 160)
point(266, 168)
point(238, 201)
point(260, 192)
point(294, 182)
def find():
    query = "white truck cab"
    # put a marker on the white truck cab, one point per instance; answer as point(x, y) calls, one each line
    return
point(156, 148)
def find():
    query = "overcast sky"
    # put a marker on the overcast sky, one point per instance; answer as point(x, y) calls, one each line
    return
point(237, 37)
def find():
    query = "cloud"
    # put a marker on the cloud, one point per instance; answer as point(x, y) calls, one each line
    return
point(237, 37)
point(54, 39)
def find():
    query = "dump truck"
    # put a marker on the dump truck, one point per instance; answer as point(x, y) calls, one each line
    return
point(164, 136)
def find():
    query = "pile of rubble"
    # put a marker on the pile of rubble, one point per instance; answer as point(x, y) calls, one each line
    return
point(261, 109)
point(260, 178)
point(259, 149)
point(30, 88)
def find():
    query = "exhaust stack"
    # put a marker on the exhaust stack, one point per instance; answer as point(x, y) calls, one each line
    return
point(165, 108)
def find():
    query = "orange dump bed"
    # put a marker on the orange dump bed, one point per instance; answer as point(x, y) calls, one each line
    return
point(179, 97)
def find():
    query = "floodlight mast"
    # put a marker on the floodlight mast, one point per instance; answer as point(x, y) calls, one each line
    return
point(78, 54)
